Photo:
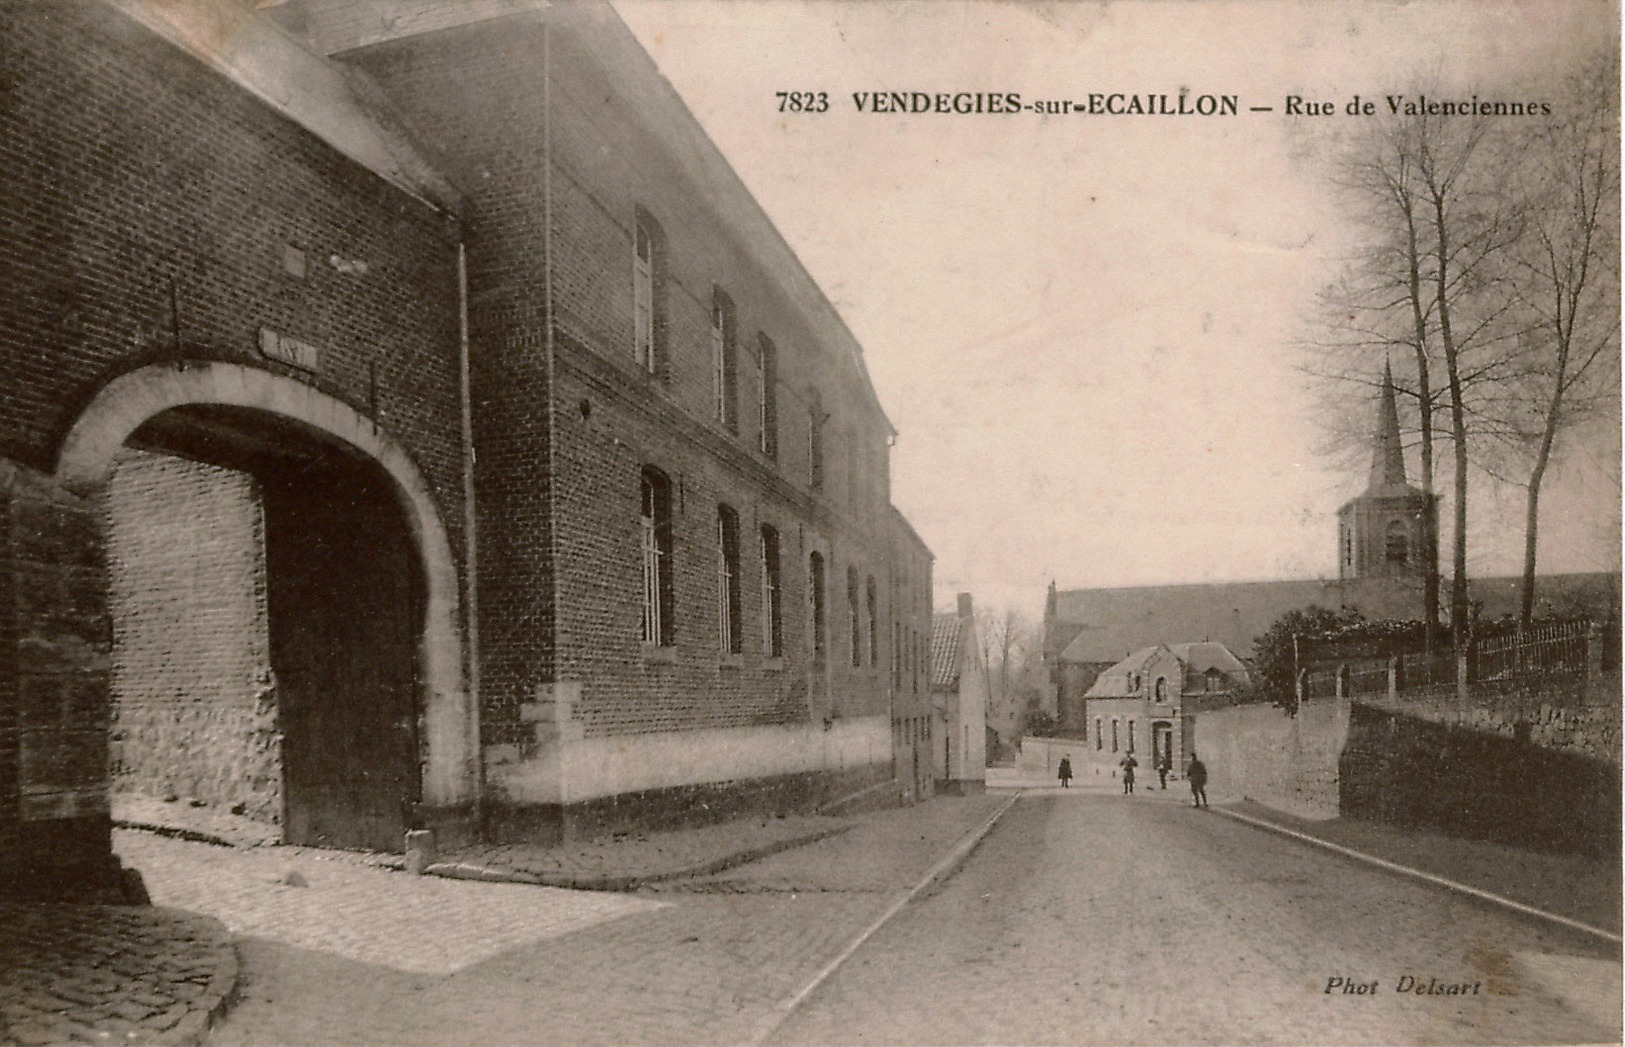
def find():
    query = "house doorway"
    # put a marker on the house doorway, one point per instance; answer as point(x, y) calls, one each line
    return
point(1162, 744)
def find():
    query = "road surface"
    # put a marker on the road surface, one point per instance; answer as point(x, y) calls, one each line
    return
point(1096, 918)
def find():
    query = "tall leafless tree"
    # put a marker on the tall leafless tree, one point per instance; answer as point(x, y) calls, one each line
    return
point(1010, 646)
point(1566, 274)
point(1428, 278)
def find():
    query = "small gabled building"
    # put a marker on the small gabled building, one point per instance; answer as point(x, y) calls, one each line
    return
point(1145, 705)
point(959, 692)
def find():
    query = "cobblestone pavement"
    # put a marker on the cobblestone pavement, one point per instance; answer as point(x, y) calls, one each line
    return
point(359, 956)
point(105, 974)
point(324, 901)
point(1090, 918)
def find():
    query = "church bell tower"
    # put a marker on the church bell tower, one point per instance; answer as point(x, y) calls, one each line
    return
point(1389, 531)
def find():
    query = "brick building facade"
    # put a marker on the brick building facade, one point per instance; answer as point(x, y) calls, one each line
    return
point(533, 486)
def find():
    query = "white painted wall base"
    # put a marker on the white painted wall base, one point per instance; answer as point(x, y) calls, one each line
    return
point(567, 770)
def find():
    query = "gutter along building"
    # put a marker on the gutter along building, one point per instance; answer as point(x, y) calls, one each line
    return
point(413, 421)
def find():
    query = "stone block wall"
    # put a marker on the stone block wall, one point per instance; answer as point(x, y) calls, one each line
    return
point(1405, 770)
point(1576, 713)
point(194, 705)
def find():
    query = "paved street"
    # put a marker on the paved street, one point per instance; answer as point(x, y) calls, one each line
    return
point(1084, 917)
point(364, 955)
point(1091, 918)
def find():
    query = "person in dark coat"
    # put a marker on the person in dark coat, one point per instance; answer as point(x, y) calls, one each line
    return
point(1197, 774)
point(1064, 772)
point(1162, 770)
point(1128, 763)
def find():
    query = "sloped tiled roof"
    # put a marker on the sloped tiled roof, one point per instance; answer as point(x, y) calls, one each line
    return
point(1196, 658)
point(945, 650)
point(1200, 657)
point(1114, 682)
point(1108, 623)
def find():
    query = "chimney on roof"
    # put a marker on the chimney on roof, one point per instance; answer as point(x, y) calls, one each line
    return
point(965, 610)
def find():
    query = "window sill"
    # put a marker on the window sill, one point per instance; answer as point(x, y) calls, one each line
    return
point(732, 661)
point(773, 665)
point(659, 654)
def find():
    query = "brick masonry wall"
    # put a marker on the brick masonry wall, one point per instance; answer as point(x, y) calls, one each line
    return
point(561, 583)
point(156, 213)
point(476, 94)
point(605, 170)
point(194, 709)
point(145, 195)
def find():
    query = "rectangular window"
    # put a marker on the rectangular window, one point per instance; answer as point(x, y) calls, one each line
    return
point(1099, 741)
point(725, 359)
point(655, 520)
point(645, 274)
point(1114, 734)
point(815, 604)
point(874, 636)
point(1131, 736)
point(772, 617)
point(852, 600)
point(729, 631)
point(769, 397)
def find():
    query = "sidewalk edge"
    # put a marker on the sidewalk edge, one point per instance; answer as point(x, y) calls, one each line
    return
point(943, 868)
point(625, 881)
point(1426, 877)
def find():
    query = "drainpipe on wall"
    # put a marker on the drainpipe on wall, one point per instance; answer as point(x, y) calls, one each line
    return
point(471, 602)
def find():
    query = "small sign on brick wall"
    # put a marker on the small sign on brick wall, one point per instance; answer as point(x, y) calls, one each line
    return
point(290, 351)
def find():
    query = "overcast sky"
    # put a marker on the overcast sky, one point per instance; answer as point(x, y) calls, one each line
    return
point(1084, 326)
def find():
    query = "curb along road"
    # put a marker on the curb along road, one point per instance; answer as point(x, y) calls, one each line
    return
point(941, 870)
point(1417, 874)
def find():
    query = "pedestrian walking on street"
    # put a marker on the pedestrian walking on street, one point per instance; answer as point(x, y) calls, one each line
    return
point(1197, 773)
point(1064, 772)
point(1128, 763)
point(1162, 770)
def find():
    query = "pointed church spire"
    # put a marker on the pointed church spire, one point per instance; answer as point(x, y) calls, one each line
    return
point(1388, 454)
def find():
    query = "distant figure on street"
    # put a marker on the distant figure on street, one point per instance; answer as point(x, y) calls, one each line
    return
point(1197, 773)
point(1064, 772)
point(1128, 763)
point(1163, 769)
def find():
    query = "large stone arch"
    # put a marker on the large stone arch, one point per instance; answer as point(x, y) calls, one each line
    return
point(86, 459)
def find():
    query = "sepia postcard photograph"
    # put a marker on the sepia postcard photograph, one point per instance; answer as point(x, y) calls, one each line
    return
point(810, 522)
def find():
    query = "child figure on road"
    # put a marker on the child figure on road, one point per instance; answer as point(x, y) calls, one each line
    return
point(1064, 772)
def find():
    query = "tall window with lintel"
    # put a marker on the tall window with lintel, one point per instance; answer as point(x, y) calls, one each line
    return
point(729, 632)
point(655, 528)
point(772, 585)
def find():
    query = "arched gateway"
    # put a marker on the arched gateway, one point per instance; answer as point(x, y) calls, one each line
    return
point(246, 418)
